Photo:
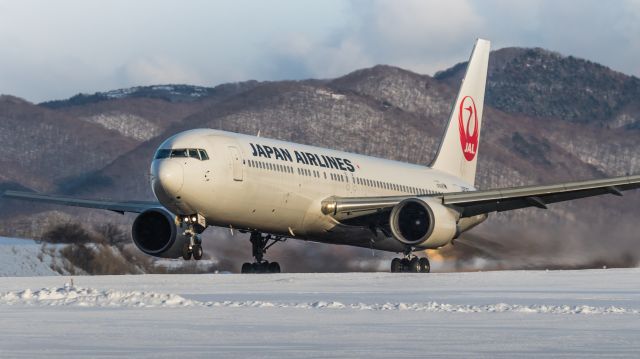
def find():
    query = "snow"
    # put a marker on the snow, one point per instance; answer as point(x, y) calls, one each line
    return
point(590, 313)
point(24, 257)
point(127, 124)
point(91, 297)
point(191, 91)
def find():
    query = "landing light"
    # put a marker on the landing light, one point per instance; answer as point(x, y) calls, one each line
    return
point(186, 219)
point(194, 219)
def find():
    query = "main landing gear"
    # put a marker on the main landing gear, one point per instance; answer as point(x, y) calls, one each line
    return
point(260, 244)
point(410, 264)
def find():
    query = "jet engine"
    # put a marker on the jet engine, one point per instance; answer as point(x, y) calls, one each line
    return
point(155, 233)
point(423, 223)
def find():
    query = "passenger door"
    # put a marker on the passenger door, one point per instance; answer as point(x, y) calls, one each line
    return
point(236, 163)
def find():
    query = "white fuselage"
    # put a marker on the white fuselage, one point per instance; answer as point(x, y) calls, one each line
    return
point(254, 183)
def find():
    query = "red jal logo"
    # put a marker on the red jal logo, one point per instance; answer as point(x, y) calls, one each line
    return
point(468, 126)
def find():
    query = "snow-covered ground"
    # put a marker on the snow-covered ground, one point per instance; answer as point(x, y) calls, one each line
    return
point(591, 313)
point(25, 257)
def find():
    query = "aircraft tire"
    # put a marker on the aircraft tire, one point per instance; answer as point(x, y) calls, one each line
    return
point(197, 252)
point(246, 268)
point(405, 265)
point(186, 252)
point(273, 267)
point(414, 265)
point(425, 266)
point(396, 265)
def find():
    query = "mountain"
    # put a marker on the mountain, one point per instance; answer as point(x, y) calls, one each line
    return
point(548, 118)
point(545, 84)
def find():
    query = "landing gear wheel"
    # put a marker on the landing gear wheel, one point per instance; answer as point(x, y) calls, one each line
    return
point(396, 265)
point(405, 264)
point(425, 266)
point(246, 268)
point(197, 252)
point(414, 265)
point(186, 252)
point(274, 267)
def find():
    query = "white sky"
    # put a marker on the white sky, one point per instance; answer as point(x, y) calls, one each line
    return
point(55, 49)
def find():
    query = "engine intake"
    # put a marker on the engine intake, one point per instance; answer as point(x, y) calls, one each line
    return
point(415, 222)
point(155, 233)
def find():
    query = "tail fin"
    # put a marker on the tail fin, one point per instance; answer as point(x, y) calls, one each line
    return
point(458, 152)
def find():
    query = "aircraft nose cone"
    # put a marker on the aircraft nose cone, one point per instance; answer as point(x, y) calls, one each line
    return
point(168, 178)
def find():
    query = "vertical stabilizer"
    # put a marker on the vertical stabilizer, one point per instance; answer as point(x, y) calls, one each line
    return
point(458, 152)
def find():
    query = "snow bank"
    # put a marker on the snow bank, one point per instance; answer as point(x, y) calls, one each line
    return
point(435, 307)
point(88, 297)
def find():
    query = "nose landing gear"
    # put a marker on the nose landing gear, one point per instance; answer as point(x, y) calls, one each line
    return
point(410, 263)
point(194, 247)
point(259, 245)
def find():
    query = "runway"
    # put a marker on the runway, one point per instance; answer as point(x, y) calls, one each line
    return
point(590, 313)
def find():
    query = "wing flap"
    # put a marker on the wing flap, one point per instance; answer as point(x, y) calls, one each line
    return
point(120, 207)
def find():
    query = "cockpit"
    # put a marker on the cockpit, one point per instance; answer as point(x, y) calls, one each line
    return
point(196, 153)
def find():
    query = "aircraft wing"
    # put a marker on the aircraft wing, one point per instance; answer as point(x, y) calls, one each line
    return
point(120, 207)
point(470, 204)
point(473, 203)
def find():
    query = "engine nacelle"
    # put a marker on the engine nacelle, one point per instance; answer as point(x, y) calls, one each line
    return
point(155, 233)
point(423, 223)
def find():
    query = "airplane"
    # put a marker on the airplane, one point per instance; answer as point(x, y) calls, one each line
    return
point(276, 190)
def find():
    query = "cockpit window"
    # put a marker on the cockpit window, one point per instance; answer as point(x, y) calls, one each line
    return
point(182, 152)
point(163, 153)
point(196, 153)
